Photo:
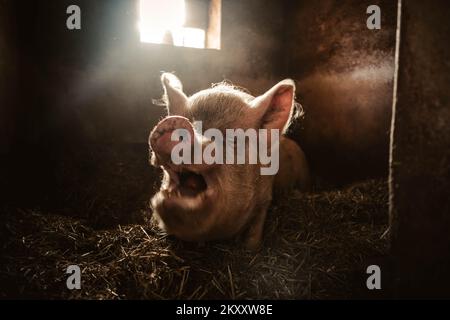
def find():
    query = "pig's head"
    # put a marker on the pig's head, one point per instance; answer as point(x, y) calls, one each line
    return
point(199, 202)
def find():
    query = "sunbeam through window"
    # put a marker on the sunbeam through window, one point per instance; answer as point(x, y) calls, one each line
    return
point(164, 22)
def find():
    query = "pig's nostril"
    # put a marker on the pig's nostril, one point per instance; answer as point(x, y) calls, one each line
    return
point(171, 127)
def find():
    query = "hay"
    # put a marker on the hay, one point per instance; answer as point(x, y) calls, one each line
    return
point(316, 246)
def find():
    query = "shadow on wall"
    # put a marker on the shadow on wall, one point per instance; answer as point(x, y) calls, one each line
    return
point(346, 126)
point(344, 74)
point(8, 77)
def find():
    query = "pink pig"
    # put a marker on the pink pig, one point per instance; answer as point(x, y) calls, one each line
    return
point(202, 202)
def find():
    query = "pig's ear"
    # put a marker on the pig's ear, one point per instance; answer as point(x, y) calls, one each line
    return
point(275, 107)
point(173, 94)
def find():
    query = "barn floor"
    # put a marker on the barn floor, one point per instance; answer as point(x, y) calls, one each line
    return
point(316, 246)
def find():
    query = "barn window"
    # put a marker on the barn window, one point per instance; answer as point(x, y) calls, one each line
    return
point(183, 23)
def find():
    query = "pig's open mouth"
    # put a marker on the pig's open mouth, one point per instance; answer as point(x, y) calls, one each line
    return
point(186, 183)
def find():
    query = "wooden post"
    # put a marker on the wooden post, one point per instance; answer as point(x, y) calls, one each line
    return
point(420, 153)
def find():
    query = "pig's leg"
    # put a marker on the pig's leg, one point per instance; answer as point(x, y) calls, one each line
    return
point(256, 228)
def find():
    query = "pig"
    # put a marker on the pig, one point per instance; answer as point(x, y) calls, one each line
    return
point(204, 202)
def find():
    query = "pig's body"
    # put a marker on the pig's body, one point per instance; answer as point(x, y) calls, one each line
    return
point(294, 171)
point(201, 202)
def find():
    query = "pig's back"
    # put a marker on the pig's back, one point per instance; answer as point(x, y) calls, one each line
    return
point(293, 171)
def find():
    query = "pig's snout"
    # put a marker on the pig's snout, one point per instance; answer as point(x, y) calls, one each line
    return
point(168, 133)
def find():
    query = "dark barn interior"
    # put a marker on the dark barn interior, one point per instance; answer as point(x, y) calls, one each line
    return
point(77, 108)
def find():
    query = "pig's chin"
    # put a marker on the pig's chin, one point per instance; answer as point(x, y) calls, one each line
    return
point(184, 203)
